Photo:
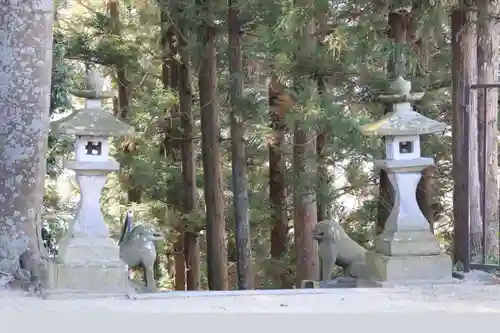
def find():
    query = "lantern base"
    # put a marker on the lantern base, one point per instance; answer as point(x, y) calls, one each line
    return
point(88, 250)
point(407, 243)
point(110, 278)
point(88, 264)
point(405, 269)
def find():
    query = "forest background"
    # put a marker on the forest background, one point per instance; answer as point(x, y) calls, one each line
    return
point(246, 115)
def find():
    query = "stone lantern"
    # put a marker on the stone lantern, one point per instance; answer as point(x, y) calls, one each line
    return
point(88, 258)
point(406, 250)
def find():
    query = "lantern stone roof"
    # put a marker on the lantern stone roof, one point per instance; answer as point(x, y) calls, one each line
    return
point(402, 120)
point(92, 120)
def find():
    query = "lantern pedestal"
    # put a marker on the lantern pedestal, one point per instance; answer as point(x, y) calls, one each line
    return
point(407, 250)
point(89, 259)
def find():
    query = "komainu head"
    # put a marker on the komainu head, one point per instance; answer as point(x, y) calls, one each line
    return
point(145, 233)
point(324, 230)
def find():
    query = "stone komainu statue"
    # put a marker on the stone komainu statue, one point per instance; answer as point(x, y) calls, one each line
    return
point(137, 248)
point(336, 247)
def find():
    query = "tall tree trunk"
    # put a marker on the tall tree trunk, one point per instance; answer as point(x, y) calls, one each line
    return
point(25, 59)
point(466, 210)
point(179, 262)
point(323, 193)
point(304, 164)
point(475, 223)
point(123, 101)
point(277, 186)
point(170, 80)
point(191, 243)
point(323, 178)
point(192, 255)
point(323, 199)
point(188, 153)
point(305, 216)
point(487, 66)
point(238, 154)
point(210, 142)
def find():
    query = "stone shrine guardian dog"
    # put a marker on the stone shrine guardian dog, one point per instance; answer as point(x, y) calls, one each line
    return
point(336, 247)
point(137, 249)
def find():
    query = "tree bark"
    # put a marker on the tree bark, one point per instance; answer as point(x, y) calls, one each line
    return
point(475, 223)
point(192, 255)
point(305, 216)
point(210, 142)
point(487, 66)
point(323, 190)
point(465, 171)
point(323, 199)
point(238, 154)
point(277, 186)
point(170, 77)
point(170, 80)
point(179, 262)
point(191, 245)
point(277, 195)
point(323, 178)
point(188, 154)
point(25, 60)
point(304, 165)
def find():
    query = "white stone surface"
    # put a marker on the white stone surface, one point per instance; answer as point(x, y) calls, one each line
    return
point(410, 243)
point(93, 103)
point(81, 149)
point(78, 277)
point(406, 214)
point(392, 151)
point(415, 165)
point(89, 221)
point(88, 250)
point(406, 230)
point(408, 268)
point(439, 298)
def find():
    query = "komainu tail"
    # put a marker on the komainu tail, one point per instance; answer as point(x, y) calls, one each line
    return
point(127, 226)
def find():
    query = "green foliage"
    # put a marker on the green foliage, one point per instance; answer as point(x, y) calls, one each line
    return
point(60, 101)
point(61, 75)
